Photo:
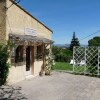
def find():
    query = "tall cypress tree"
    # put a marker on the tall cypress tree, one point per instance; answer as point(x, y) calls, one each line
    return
point(74, 42)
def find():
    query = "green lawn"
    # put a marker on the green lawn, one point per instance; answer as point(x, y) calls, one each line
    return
point(63, 66)
point(67, 67)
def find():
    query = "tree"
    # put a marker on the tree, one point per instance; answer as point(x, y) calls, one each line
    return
point(74, 42)
point(56, 50)
point(95, 41)
point(94, 62)
point(61, 54)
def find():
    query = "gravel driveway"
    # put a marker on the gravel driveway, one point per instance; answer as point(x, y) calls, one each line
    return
point(61, 86)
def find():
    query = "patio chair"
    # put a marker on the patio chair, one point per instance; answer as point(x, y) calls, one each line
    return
point(72, 62)
point(82, 63)
point(53, 62)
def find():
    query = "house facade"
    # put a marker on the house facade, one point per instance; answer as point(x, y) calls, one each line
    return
point(30, 38)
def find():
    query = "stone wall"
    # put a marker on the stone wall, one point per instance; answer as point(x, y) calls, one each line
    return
point(2, 21)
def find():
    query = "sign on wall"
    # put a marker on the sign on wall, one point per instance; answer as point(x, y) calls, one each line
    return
point(30, 31)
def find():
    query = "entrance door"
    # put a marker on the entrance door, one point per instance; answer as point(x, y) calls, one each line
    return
point(28, 61)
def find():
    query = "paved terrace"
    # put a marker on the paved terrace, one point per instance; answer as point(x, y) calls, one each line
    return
point(61, 86)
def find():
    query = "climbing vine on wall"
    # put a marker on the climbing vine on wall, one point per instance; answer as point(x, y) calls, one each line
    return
point(4, 65)
point(49, 62)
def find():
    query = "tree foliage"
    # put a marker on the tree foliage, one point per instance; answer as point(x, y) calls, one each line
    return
point(74, 42)
point(62, 54)
point(95, 41)
point(94, 62)
point(5, 51)
point(4, 65)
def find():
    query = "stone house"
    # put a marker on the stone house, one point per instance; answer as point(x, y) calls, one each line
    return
point(30, 38)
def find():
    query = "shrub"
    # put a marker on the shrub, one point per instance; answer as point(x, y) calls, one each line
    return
point(62, 54)
point(4, 65)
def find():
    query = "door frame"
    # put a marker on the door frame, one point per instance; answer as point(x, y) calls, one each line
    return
point(31, 71)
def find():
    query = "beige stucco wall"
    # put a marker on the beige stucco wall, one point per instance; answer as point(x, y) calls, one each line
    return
point(16, 74)
point(2, 21)
point(37, 67)
point(19, 20)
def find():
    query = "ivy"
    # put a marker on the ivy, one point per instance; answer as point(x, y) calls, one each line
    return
point(4, 65)
point(49, 61)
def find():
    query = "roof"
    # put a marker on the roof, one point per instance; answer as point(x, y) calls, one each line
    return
point(30, 38)
point(30, 14)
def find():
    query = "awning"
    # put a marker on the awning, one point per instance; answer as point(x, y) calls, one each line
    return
point(29, 38)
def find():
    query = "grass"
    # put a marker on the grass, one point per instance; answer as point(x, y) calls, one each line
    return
point(63, 66)
point(66, 66)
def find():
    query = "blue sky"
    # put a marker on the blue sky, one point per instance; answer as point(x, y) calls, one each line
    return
point(67, 16)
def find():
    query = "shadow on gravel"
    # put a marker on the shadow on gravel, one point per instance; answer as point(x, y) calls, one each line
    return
point(11, 93)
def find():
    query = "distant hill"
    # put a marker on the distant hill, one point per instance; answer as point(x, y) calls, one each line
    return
point(84, 45)
point(62, 45)
point(67, 45)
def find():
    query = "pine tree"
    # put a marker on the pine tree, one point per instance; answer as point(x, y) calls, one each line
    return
point(74, 42)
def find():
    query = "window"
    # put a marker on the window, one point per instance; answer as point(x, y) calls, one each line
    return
point(39, 52)
point(19, 54)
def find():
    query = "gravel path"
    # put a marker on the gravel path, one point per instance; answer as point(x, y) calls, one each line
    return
point(61, 86)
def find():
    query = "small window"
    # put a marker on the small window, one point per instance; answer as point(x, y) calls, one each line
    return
point(39, 52)
point(19, 54)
